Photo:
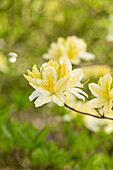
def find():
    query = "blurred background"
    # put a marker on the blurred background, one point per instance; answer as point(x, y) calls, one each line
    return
point(51, 137)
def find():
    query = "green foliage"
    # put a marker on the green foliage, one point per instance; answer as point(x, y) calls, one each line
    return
point(50, 156)
point(21, 135)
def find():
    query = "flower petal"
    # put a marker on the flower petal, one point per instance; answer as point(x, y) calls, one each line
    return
point(76, 75)
point(106, 82)
point(86, 56)
point(96, 90)
point(107, 106)
point(80, 91)
point(62, 84)
point(49, 77)
point(36, 73)
point(96, 103)
point(42, 100)
point(75, 60)
point(59, 99)
point(41, 89)
point(111, 94)
point(34, 95)
point(67, 62)
point(73, 91)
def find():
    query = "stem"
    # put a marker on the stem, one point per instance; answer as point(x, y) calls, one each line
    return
point(88, 114)
point(98, 112)
point(94, 64)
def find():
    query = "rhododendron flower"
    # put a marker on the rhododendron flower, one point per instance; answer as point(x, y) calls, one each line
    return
point(53, 81)
point(103, 93)
point(72, 47)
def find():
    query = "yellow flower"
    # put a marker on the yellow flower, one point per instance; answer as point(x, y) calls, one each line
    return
point(103, 93)
point(53, 81)
point(72, 47)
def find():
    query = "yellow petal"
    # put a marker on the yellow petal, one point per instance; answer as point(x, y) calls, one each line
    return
point(30, 73)
point(62, 84)
point(42, 100)
point(96, 90)
point(73, 91)
point(36, 73)
point(66, 61)
point(106, 82)
point(96, 103)
point(76, 75)
point(80, 91)
point(49, 77)
point(27, 77)
point(59, 99)
point(111, 94)
point(107, 106)
point(100, 81)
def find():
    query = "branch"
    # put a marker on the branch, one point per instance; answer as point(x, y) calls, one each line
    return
point(88, 114)
point(93, 64)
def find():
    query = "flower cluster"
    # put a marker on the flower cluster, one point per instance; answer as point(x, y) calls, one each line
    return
point(72, 47)
point(56, 81)
point(53, 81)
point(103, 94)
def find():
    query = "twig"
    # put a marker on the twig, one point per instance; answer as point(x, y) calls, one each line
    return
point(98, 112)
point(88, 114)
point(93, 64)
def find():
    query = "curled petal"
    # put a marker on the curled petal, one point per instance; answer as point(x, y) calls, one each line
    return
point(81, 91)
point(34, 95)
point(73, 91)
point(96, 103)
point(42, 100)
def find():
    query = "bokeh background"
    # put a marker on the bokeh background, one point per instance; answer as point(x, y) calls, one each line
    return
point(51, 137)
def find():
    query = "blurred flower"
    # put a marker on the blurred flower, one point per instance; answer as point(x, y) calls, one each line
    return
point(68, 118)
point(103, 93)
point(72, 48)
point(96, 125)
point(53, 81)
point(3, 63)
point(100, 71)
point(13, 57)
